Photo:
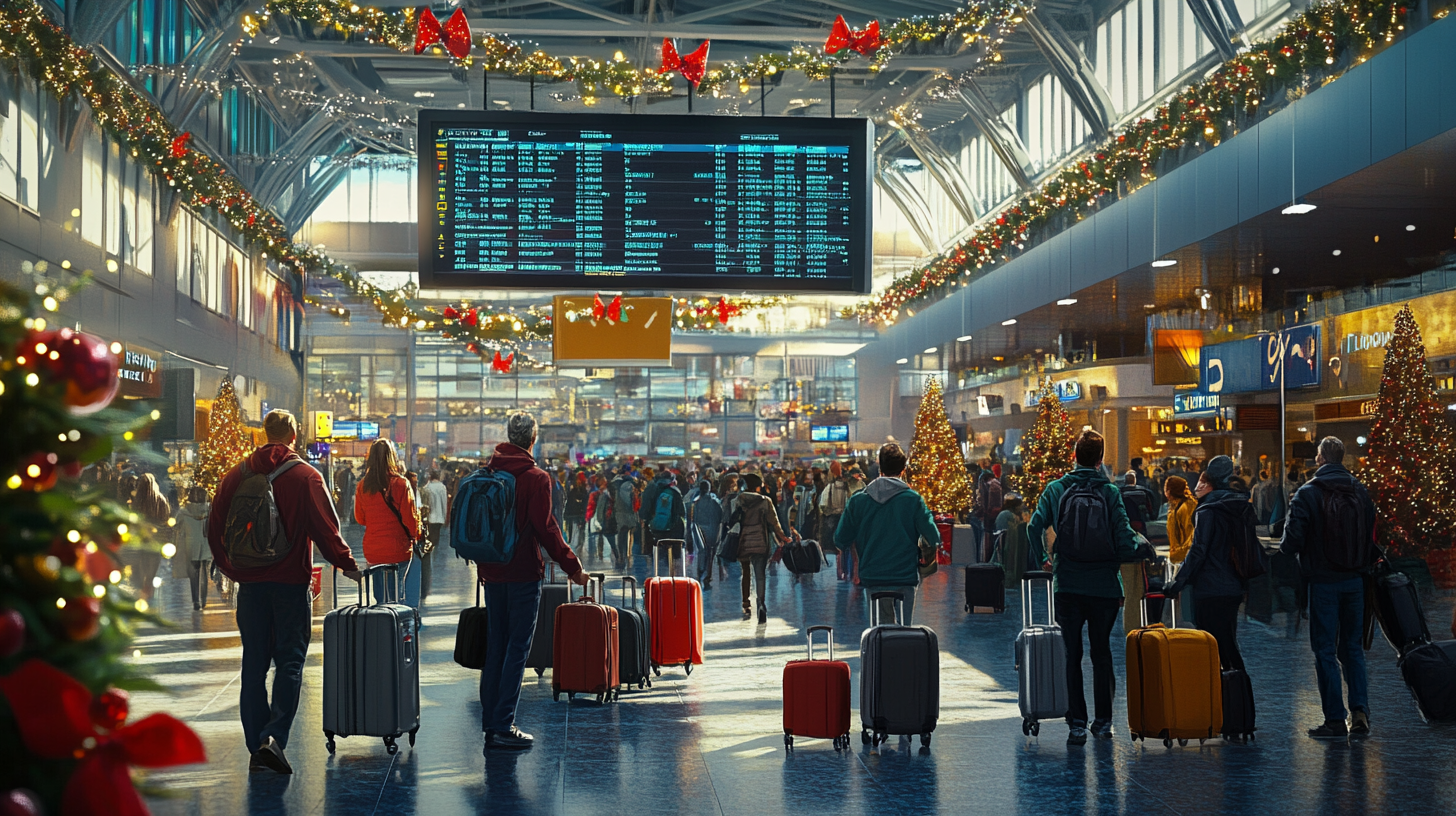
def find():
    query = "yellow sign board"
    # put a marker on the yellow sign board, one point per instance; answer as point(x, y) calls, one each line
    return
point(603, 332)
point(323, 424)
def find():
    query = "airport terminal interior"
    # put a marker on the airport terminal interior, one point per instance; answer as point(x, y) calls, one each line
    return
point(753, 406)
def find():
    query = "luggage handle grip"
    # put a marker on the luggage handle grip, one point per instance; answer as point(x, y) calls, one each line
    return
point(828, 639)
point(628, 579)
point(1172, 602)
point(364, 574)
point(899, 606)
point(668, 544)
point(1028, 580)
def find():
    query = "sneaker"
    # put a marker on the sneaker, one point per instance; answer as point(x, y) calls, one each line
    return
point(763, 614)
point(1331, 729)
point(1359, 725)
point(270, 756)
point(514, 739)
point(1101, 730)
point(1077, 736)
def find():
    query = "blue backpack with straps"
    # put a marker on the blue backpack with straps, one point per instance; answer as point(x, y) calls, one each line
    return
point(662, 514)
point(483, 517)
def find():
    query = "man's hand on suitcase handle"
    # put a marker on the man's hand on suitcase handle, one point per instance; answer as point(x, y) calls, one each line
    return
point(354, 575)
point(581, 578)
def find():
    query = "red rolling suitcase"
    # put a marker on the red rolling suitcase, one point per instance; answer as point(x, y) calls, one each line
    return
point(584, 648)
point(674, 615)
point(816, 696)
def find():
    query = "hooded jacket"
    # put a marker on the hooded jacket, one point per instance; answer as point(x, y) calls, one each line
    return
point(1304, 532)
point(758, 519)
point(1101, 580)
point(1220, 518)
point(191, 539)
point(536, 526)
point(884, 523)
point(304, 508)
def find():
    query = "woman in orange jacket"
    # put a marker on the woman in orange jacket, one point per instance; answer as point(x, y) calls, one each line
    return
point(385, 505)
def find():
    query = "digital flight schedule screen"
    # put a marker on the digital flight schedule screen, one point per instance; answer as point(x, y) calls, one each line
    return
point(644, 202)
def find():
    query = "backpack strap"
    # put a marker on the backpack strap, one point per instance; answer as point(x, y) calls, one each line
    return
point(281, 469)
point(389, 502)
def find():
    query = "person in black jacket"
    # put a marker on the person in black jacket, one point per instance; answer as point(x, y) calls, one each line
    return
point(1336, 596)
point(1223, 518)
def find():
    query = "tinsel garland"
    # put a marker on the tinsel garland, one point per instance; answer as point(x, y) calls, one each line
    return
point(986, 23)
point(1314, 47)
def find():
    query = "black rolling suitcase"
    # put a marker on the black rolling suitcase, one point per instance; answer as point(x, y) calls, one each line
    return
point(899, 684)
point(1238, 706)
point(1430, 672)
point(803, 557)
point(371, 669)
point(986, 583)
point(1398, 609)
point(634, 657)
point(472, 634)
point(552, 596)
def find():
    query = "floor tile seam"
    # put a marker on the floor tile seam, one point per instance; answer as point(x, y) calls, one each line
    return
point(388, 772)
point(698, 746)
point(219, 693)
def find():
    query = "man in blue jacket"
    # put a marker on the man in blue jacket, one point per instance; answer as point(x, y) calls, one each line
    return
point(1336, 594)
point(1088, 548)
point(885, 523)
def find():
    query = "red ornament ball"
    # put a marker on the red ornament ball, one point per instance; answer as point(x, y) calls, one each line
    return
point(12, 633)
point(38, 472)
point(110, 709)
point(20, 802)
point(89, 369)
point(81, 618)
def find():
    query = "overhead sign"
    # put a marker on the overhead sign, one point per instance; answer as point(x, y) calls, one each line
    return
point(1231, 368)
point(615, 331)
point(1297, 351)
point(139, 372)
point(1195, 403)
point(829, 433)
point(1255, 363)
point(323, 424)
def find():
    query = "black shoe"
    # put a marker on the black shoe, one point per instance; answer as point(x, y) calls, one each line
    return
point(747, 614)
point(1100, 730)
point(1359, 725)
point(1077, 735)
point(270, 756)
point(514, 739)
point(763, 614)
point(1331, 729)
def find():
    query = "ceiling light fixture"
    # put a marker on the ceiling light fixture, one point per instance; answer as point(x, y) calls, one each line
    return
point(965, 338)
point(1274, 271)
point(1299, 208)
point(1410, 227)
point(1066, 301)
point(424, 94)
point(1011, 322)
point(1150, 305)
point(1164, 262)
point(1336, 253)
point(931, 350)
point(902, 361)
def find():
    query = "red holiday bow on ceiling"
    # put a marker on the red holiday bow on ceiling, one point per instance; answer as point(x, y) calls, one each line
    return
point(841, 36)
point(455, 36)
point(58, 719)
point(451, 313)
point(503, 364)
point(471, 318)
point(179, 145)
point(725, 310)
point(692, 66)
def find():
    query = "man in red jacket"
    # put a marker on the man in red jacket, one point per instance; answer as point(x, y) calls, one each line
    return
point(275, 617)
point(513, 590)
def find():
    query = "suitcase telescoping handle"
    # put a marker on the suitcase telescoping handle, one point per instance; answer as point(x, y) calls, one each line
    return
point(668, 544)
point(364, 577)
point(1173, 602)
point(601, 592)
point(875, 607)
point(1028, 579)
point(828, 639)
point(628, 579)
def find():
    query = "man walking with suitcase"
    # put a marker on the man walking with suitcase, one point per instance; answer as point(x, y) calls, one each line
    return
point(513, 589)
point(1331, 529)
point(274, 613)
point(1091, 539)
point(885, 523)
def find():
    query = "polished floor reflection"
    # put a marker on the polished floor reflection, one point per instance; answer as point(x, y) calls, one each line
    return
point(711, 743)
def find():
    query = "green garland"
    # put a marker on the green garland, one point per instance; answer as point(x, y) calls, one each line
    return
point(1316, 46)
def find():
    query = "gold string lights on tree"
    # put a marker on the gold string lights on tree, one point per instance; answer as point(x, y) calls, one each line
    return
point(1047, 449)
point(936, 468)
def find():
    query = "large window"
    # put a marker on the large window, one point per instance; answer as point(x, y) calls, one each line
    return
point(117, 202)
point(25, 144)
point(1054, 126)
point(371, 193)
point(212, 271)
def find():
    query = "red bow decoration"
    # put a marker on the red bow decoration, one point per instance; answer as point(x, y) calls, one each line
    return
point(471, 318)
point(692, 66)
point(866, 41)
point(179, 145)
point(503, 364)
point(726, 310)
point(451, 313)
point(610, 312)
point(58, 719)
point(455, 37)
point(599, 309)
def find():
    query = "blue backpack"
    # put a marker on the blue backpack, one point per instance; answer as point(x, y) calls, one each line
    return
point(662, 514)
point(483, 517)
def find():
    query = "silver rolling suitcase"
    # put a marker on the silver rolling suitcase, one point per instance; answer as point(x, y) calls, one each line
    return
point(371, 668)
point(1041, 661)
point(899, 684)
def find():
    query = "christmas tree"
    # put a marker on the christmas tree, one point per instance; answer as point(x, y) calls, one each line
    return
point(1047, 450)
point(1409, 471)
point(65, 619)
point(228, 440)
point(936, 469)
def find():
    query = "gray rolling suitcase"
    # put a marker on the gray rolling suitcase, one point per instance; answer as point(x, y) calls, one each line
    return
point(899, 684)
point(1041, 661)
point(371, 668)
point(552, 596)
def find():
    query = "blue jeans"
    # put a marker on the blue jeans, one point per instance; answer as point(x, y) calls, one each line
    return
point(275, 622)
point(1336, 618)
point(383, 588)
point(511, 609)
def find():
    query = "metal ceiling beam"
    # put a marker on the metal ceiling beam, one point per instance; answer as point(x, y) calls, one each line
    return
point(910, 202)
point(209, 58)
point(1074, 70)
point(594, 11)
point(300, 147)
point(317, 187)
point(718, 11)
point(1221, 24)
point(942, 168)
point(1005, 142)
point(587, 28)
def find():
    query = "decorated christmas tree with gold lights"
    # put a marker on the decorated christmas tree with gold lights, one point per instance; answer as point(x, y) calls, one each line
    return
point(937, 470)
point(1410, 472)
point(228, 440)
point(1047, 450)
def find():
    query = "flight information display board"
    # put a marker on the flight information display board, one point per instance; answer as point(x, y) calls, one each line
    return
point(644, 202)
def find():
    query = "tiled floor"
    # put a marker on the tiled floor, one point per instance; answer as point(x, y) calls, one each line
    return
point(712, 743)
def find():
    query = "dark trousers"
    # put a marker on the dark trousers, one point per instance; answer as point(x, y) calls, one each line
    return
point(1099, 615)
point(427, 564)
point(511, 609)
point(1219, 616)
point(754, 570)
point(1336, 618)
point(197, 579)
point(275, 622)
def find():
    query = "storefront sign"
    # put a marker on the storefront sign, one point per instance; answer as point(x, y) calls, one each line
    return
point(1354, 342)
point(1069, 390)
point(139, 372)
point(1231, 368)
point(323, 424)
point(1297, 351)
point(986, 403)
point(1187, 440)
point(1345, 410)
point(1195, 403)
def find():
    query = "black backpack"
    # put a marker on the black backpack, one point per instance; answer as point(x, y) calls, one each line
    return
point(1245, 552)
point(1084, 524)
point(1345, 516)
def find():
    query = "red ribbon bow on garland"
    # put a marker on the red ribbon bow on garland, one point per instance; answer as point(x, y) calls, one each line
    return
point(612, 313)
point(866, 41)
point(455, 37)
point(502, 365)
point(179, 145)
point(692, 66)
point(59, 719)
point(726, 310)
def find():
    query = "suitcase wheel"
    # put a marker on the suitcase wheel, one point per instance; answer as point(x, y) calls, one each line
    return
point(968, 608)
point(688, 666)
point(556, 696)
point(924, 740)
point(329, 740)
point(540, 672)
point(1036, 729)
point(1167, 742)
point(570, 695)
point(656, 670)
point(864, 736)
point(391, 746)
point(412, 733)
point(1183, 742)
point(789, 742)
point(1025, 728)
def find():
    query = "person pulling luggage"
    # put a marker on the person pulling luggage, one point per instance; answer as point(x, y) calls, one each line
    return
point(885, 523)
point(385, 505)
point(1091, 539)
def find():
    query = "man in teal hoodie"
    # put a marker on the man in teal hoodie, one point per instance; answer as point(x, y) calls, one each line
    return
point(1087, 553)
point(884, 523)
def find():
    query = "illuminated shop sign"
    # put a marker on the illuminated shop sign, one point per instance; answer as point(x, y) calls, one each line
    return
point(139, 372)
point(1195, 403)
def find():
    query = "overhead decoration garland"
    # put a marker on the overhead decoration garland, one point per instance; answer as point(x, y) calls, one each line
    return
point(1316, 45)
point(986, 23)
